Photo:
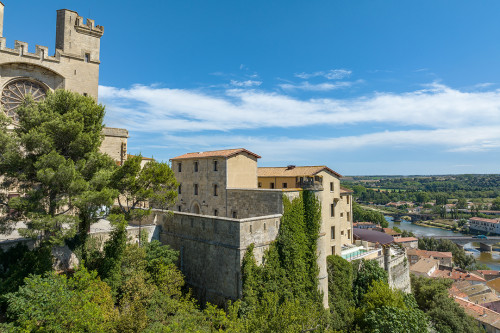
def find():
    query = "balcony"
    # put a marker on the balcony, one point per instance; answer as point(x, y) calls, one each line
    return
point(309, 183)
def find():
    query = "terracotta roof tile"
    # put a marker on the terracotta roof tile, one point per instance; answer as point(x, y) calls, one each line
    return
point(215, 153)
point(457, 275)
point(479, 312)
point(293, 172)
point(428, 254)
point(345, 190)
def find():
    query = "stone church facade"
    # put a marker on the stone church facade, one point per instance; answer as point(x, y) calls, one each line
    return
point(74, 66)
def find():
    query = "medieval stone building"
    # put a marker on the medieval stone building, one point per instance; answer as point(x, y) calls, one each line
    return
point(226, 202)
point(74, 66)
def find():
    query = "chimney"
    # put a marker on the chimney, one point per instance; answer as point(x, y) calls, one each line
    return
point(1, 18)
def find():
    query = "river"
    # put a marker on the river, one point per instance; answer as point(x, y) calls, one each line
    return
point(492, 259)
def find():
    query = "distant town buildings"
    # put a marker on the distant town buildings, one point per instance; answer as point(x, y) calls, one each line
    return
point(484, 225)
point(444, 258)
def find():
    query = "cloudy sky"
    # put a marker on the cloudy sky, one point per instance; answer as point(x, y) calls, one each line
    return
point(365, 87)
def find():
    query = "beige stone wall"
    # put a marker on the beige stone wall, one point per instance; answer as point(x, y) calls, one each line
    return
point(212, 249)
point(242, 171)
point(115, 143)
point(206, 178)
point(67, 68)
point(265, 182)
point(254, 202)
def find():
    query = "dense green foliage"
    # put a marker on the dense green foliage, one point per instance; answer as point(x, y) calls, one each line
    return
point(286, 283)
point(361, 214)
point(361, 300)
point(386, 310)
point(154, 184)
point(460, 257)
point(340, 294)
point(52, 160)
point(446, 315)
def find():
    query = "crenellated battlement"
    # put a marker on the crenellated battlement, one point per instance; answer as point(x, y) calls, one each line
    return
point(73, 64)
point(88, 27)
point(22, 49)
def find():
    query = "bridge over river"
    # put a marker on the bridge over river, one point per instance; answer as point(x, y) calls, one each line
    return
point(485, 244)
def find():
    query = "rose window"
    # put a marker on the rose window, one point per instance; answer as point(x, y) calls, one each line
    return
point(15, 93)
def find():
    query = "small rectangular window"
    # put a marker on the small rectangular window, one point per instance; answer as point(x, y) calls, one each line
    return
point(195, 166)
point(265, 226)
point(348, 216)
point(195, 189)
point(250, 228)
point(272, 185)
point(215, 166)
point(180, 189)
point(260, 184)
point(42, 54)
point(216, 191)
point(331, 186)
point(349, 234)
point(348, 199)
point(342, 232)
point(341, 214)
point(179, 208)
point(236, 215)
point(332, 210)
point(87, 57)
point(216, 212)
point(285, 185)
point(179, 167)
point(332, 232)
point(333, 250)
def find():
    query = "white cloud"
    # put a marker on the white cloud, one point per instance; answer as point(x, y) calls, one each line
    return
point(247, 83)
point(466, 139)
point(333, 74)
point(146, 108)
point(327, 86)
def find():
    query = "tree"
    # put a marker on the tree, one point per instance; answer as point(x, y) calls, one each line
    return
point(52, 159)
point(154, 184)
point(422, 197)
point(340, 298)
point(461, 203)
point(496, 204)
point(446, 315)
point(366, 215)
point(54, 303)
point(365, 273)
point(441, 199)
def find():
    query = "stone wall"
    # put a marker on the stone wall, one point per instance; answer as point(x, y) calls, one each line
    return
point(254, 202)
point(397, 266)
point(212, 249)
point(115, 143)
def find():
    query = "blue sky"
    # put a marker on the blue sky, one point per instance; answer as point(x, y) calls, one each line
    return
point(365, 87)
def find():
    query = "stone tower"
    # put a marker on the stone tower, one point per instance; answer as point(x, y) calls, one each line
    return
point(1, 19)
point(73, 66)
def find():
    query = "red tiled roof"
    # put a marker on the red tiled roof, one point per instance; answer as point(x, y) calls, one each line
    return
point(345, 190)
point(215, 153)
point(428, 254)
point(456, 275)
point(479, 312)
point(480, 219)
point(293, 172)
